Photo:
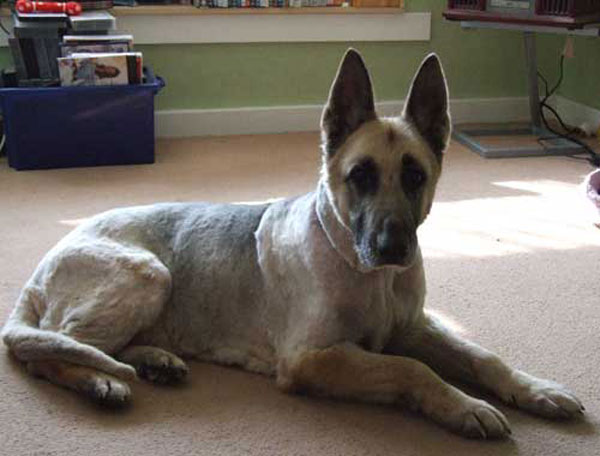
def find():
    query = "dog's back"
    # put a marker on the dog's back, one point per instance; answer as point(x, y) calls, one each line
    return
point(217, 296)
point(193, 256)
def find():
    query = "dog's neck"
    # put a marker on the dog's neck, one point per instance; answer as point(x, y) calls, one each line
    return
point(338, 234)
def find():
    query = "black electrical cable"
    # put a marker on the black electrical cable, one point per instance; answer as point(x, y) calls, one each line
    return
point(569, 131)
point(547, 95)
point(594, 158)
point(4, 28)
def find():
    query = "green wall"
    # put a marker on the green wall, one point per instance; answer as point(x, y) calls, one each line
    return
point(5, 58)
point(204, 76)
point(582, 73)
point(478, 63)
point(581, 80)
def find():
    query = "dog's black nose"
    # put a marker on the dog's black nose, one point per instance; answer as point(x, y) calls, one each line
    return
point(392, 243)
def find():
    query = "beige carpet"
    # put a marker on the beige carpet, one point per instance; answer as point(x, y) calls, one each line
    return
point(512, 258)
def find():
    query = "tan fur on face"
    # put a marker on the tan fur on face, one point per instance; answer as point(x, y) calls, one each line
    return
point(385, 141)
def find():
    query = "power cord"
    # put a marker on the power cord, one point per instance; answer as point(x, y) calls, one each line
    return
point(594, 158)
point(4, 28)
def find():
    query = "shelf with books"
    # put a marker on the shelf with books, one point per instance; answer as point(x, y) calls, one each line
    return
point(224, 25)
point(153, 24)
point(184, 10)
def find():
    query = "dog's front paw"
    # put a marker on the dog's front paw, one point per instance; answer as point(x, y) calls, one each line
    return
point(544, 398)
point(481, 420)
point(106, 390)
point(154, 364)
point(163, 369)
point(471, 417)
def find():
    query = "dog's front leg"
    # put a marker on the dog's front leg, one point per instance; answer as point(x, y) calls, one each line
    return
point(347, 371)
point(454, 357)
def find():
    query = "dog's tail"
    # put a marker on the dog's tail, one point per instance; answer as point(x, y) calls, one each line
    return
point(28, 342)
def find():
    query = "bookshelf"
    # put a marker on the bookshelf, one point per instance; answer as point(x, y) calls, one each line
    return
point(181, 10)
point(153, 24)
point(185, 10)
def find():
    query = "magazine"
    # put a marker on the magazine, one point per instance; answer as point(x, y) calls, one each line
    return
point(109, 47)
point(81, 69)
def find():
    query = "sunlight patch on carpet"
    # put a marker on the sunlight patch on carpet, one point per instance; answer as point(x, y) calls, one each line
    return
point(73, 222)
point(259, 202)
point(448, 322)
point(553, 215)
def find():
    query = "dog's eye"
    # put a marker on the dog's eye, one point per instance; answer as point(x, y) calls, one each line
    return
point(413, 176)
point(364, 177)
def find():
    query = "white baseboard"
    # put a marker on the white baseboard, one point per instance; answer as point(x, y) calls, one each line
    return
point(489, 110)
point(281, 119)
point(576, 114)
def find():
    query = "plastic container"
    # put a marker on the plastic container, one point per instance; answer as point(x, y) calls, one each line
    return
point(63, 127)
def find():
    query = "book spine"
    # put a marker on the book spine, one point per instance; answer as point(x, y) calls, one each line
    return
point(94, 5)
point(53, 51)
point(131, 69)
point(41, 55)
point(140, 67)
point(17, 56)
point(31, 65)
point(134, 68)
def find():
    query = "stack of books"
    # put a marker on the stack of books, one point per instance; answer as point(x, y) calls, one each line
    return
point(160, 2)
point(56, 49)
point(99, 60)
point(92, 22)
point(237, 3)
point(92, 5)
point(264, 3)
point(34, 45)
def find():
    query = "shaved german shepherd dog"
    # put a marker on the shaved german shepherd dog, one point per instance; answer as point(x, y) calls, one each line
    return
point(324, 292)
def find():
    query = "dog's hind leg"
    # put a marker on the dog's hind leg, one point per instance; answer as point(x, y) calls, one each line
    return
point(98, 386)
point(85, 304)
point(154, 364)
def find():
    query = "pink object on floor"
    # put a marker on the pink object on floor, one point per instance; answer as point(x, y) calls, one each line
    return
point(592, 187)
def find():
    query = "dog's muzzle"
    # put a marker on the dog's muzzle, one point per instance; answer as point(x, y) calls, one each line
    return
point(395, 244)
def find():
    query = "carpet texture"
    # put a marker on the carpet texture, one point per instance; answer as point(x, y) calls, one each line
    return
point(511, 254)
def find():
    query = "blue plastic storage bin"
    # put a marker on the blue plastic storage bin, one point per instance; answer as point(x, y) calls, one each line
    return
point(62, 127)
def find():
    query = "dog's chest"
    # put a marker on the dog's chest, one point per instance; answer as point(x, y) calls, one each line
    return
point(384, 302)
point(316, 298)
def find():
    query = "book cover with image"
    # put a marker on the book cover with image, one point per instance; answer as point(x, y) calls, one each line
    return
point(93, 69)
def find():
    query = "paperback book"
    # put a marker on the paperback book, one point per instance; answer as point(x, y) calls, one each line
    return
point(66, 50)
point(96, 43)
point(98, 39)
point(92, 21)
point(84, 69)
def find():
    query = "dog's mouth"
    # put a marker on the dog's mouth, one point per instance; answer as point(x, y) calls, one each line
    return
point(377, 251)
point(384, 241)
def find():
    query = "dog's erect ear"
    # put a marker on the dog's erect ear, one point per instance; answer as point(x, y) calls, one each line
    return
point(350, 102)
point(427, 105)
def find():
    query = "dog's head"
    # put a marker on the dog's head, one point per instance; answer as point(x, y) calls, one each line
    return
point(380, 174)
